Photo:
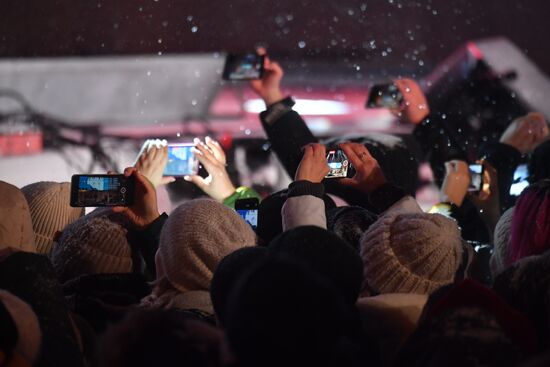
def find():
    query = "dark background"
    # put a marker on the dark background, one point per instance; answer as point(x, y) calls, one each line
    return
point(409, 36)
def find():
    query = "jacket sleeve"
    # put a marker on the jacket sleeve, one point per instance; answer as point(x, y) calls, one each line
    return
point(304, 206)
point(287, 133)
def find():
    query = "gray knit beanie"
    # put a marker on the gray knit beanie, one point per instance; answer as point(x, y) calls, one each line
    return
point(91, 245)
point(501, 242)
point(195, 238)
point(49, 204)
point(15, 219)
point(411, 253)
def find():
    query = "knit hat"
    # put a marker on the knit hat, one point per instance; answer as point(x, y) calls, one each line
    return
point(350, 222)
point(526, 286)
point(227, 274)
point(501, 242)
point(411, 253)
point(18, 319)
point(91, 245)
point(282, 313)
point(195, 238)
point(325, 253)
point(468, 325)
point(15, 219)
point(50, 211)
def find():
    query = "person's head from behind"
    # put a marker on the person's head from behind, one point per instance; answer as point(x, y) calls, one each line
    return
point(20, 334)
point(15, 219)
point(530, 233)
point(467, 324)
point(160, 338)
point(195, 238)
point(350, 222)
point(227, 274)
point(325, 253)
point(412, 253)
point(538, 167)
point(94, 244)
point(49, 204)
point(283, 314)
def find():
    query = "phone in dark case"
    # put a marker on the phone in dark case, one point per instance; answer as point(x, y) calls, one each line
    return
point(385, 96)
point(476, 177)
point(181, 160)
point(248, 210)
point(102, 190)
point(243, 67)
point(338, 164)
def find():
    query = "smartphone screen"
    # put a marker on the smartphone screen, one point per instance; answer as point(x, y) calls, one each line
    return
point(243, 67)
point(181, 160)
point(385, 96)
point(248, 210)
point(338, 164)
point(101, 190)
point(476, 175)
point(520, 182)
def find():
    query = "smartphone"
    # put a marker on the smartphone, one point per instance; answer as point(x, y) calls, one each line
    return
point(520, 182)
point(243, 67)
point(102, 190)
point(338, 163)
point(248, 210)
point(385, 96)
point(476, 177)
point(181, 160)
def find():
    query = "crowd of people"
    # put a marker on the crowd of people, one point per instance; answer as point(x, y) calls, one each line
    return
point(339, 272)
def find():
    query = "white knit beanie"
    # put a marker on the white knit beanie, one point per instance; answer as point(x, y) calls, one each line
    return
point(15, 219)
point(501, 242)
point(92, 245)
point(195, 238)
point(29, 336)
point(411, 253)
point(49, 204)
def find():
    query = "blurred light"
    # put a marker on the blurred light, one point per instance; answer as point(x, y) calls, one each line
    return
point(306, 107)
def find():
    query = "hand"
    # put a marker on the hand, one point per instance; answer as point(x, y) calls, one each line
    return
point(217, 185)
point(313, 166)
point(269, 87)
point(456, 182)
point(368, 174)
point(152, 160)
point(526, 133)
point(415, 108)
point(144, 210)
point(487, 201)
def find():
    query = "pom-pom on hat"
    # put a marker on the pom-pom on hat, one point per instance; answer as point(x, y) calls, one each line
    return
point(411, 253)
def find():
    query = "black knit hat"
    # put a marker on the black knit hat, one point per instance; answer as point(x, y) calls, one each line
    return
point(227, 274)
point(283, 314)
point(325, 253)
point(350, 222)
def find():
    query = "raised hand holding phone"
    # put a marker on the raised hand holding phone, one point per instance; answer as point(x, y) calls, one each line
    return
point(368, 174)
point(152, 160)
point(143, 210)
point(269, 86)
point(217, 184)
point(313, 166)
